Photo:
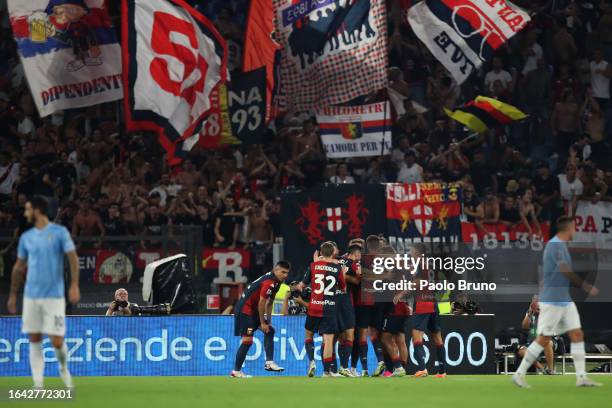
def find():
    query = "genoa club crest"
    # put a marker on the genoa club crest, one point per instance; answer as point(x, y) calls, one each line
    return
point(352, 130)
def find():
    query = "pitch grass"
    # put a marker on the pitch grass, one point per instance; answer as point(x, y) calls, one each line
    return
point(492, 391)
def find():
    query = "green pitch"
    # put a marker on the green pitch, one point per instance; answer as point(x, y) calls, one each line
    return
point(493, 391)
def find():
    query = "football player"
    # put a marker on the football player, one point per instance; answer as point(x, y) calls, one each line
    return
point(251, 311)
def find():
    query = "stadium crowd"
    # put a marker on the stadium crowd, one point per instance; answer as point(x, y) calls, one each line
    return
point(101, 181)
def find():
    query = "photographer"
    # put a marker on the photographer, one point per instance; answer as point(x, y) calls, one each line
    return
point(530, 324)
point(296, 300)
point(120, 306)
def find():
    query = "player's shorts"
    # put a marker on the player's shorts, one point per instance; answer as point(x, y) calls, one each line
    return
point(46, 316)
point(394, 324)
point(322, 325)
point(380, 310)
point(426, 322)
point(556, 319)
point(245, 325)
point(346, 313)
point(363, 316)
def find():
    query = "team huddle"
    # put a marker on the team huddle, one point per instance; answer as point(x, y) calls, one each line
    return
point(346, 314)
point(340, 307)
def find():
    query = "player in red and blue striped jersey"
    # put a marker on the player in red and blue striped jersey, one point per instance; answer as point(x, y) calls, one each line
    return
point(369, 313)
point(250, 314)
point(353, 283)
point(325, 276)
point(425, 316)
point(346, 309)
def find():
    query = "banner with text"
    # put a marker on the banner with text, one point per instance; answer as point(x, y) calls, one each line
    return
point(205, 345)
point(173, 58)
point(237, 112)
point(513, 253)
point(462, 34)
point(69, 52)
point(223, 265)
point(594, 224)
point(355, 131)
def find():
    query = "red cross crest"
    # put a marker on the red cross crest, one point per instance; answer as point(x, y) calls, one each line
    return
point(334, 219)
point(422, 216)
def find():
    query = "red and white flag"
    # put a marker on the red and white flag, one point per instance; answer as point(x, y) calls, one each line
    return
point(173, 57)
point(462, 34)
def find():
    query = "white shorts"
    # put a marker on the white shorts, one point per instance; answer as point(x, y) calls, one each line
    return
point(556, 320)
point(46, 316)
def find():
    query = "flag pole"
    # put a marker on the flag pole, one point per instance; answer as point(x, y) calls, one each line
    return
point(382, 148)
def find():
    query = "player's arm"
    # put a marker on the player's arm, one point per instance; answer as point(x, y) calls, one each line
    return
point(74, 293)
point(262, 308)
point(342, 277)
point(17, 275)
point(354, 279)
point(399, 296)
point(269, 305)
point(306, 279)
point(301, 302)
point(577, 280)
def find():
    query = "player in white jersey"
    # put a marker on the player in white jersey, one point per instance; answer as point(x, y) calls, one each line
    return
point(41, 249)
point(558, 313)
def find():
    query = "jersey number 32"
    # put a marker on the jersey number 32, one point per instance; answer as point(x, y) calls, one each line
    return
point(325, 284)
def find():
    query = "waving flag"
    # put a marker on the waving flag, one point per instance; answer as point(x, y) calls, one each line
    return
point(260, 49)
point(332, 50)
point(355, 131)
point(173, 58)
point(69, 52)
point(462, 34)
point(485, 113)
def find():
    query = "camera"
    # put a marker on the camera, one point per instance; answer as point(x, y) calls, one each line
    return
point(469, 307)
point(154, 310)
point(295, 291)
point(120, 303)
point(305, 294)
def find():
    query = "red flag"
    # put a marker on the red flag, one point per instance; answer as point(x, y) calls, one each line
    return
point(260, 50)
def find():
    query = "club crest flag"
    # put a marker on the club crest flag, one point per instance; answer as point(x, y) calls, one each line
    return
point(329, 213)
point(173, 58)
point(69, 52)
point(355, 131)
point(462, 34)
point(332, 51)
point(423, 212)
